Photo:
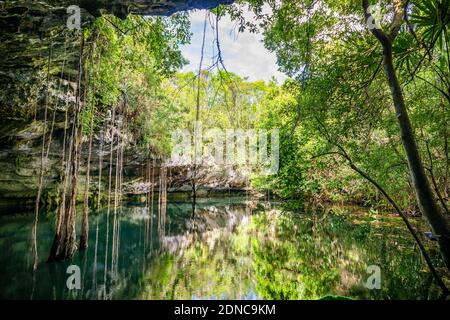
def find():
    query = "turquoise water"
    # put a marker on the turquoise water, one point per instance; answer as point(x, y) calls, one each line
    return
point(231, 249)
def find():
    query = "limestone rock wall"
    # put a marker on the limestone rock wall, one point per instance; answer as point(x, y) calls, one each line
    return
point(27, 30)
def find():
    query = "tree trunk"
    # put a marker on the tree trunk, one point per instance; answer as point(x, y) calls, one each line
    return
point(56, 245)
point(42, 167)
point(85, 223)
point(424, 194)
point(69, 241)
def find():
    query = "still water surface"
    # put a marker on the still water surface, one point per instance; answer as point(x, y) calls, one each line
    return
point(231, 249)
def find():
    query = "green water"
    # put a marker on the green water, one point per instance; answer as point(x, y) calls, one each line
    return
point(230, 250)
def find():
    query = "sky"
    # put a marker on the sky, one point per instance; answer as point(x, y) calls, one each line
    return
point(243, 53)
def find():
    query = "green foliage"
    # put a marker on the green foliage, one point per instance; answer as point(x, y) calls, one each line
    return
point(316, 256)
point(341, 100)
point(227, 101)
point(128, 62)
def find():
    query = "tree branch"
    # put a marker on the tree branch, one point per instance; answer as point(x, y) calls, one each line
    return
point(352, 165)
point(397, 20)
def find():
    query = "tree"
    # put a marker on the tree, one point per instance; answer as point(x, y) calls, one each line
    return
point(424, 193)
point(312, 37)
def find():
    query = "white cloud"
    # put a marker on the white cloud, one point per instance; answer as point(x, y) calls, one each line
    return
point(242, 53)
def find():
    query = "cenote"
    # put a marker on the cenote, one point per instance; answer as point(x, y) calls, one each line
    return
point(232, 248)
point(223, 149)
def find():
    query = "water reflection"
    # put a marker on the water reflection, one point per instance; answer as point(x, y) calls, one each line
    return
point(231, 249)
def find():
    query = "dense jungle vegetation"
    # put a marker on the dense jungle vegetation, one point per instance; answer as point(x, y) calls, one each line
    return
point(363, 117)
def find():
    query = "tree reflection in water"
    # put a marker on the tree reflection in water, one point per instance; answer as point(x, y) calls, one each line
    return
point(231, 249)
